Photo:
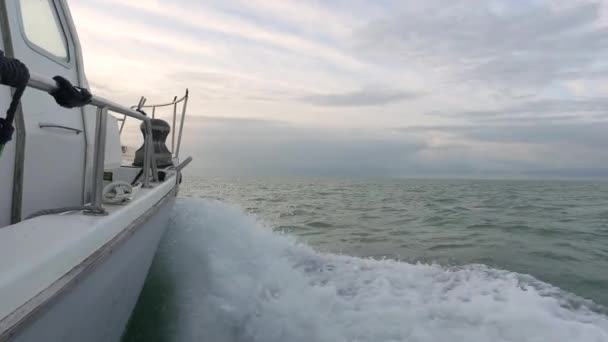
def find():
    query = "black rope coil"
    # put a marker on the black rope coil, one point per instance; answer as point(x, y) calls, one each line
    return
point(13, 73)
point(69, 96)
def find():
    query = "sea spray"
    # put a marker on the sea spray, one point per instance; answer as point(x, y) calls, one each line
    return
point(233, 279)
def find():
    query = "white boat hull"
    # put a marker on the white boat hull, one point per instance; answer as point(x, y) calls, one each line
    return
point(96, 304)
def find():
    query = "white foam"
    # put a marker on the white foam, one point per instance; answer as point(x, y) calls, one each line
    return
point(236, 280)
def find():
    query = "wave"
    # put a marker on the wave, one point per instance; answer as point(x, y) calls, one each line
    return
point(234, 279)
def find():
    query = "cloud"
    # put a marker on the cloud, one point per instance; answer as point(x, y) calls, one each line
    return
point(363, 97)
point(194, 15)
point(242, 146)
point(559, 106)
point(591, 134)
point(543, 111)
point(500, 44)
point(475, 87)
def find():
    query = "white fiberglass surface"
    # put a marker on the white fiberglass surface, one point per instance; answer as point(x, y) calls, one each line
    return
point(37, 252)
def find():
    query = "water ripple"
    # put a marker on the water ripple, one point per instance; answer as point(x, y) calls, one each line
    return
point(554, 230)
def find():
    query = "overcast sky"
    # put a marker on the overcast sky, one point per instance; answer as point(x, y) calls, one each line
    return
point(476, 88)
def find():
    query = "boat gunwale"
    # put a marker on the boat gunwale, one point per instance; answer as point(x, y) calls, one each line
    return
point(21, 317)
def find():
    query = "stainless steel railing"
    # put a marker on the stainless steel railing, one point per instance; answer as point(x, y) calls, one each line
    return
point(184, 105)
point(103, 107)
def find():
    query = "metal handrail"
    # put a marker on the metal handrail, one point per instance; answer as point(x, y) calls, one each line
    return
point(42, 83)
point(103, 107)
point(183, 164)
point(174, 103)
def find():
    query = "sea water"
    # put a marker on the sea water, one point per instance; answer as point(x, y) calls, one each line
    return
point(380, 260)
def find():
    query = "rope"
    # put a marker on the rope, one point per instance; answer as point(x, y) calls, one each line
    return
point(59, 211)
point(14, 74)
point(117, 193)
point(69, 96)
point(114, 193)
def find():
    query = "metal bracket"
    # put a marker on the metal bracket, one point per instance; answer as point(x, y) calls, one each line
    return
point(50, 125)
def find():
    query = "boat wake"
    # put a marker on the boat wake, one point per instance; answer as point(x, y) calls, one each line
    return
point(232, 279)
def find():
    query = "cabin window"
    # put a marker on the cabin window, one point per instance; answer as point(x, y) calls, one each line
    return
point(42, 27)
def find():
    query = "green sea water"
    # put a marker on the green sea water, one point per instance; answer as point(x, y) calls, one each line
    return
point(479, 246)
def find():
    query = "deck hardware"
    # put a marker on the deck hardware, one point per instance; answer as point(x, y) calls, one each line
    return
point(50, 125)
point(98, 163)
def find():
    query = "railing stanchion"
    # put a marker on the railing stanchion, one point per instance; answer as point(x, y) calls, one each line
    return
point(147, 152)
point(103, 107)
point(98, 162)
point(181, 126)
point(173, 127)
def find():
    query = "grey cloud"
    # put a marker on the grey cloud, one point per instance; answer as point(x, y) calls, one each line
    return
point(557, 106)
point(525, 47)
point(364, 97)
point(241, 147)
point(528, 120)
point(540, 112)
point(268, 147)
point(528, 149)
point(590, 134)
point(225, 121)
point(533, 45)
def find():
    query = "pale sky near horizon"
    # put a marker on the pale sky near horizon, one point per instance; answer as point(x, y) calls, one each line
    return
point(372, 88)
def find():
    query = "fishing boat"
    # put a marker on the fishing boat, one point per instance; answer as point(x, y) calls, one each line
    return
point(79, 226)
